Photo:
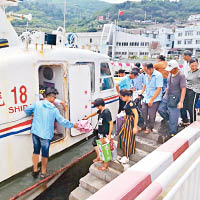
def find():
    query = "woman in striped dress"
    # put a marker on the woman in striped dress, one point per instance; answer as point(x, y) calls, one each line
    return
point(127, 135)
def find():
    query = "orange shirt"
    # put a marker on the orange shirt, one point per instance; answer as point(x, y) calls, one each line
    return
point(160, 66)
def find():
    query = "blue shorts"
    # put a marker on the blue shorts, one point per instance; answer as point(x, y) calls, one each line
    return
point(38, 144)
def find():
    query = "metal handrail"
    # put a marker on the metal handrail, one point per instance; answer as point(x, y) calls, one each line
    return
point(188, 187)
point(172, 172)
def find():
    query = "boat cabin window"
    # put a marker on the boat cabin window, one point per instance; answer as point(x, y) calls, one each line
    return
point(92, 73)
point(52, 76)
point(106, 79)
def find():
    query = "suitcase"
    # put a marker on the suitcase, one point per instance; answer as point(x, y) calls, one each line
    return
point(119, 122)
point(3, 43)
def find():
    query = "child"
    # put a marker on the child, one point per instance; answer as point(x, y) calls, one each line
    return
point(105, 127)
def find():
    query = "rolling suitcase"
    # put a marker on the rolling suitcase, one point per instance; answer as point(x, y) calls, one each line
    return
point(119, 122)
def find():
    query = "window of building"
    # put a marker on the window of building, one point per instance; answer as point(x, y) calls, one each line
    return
point(106, 80)
point(188, 42)
point(168, 37)
point(146, 44)
point(179, 42)
point(119, 43)
point(180, 34)
point(198, 32)
point(90, 40)
point(188, 33)
point(197, 41)
point(142, 44)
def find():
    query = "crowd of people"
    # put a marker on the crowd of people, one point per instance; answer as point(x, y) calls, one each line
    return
point(169, 90)
point(163, 88)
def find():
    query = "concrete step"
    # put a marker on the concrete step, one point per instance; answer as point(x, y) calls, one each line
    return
point(79, 194)
point(107, 175)
point(152, 136)
point(116, 165)
point(91, 183)
point(139, 154)
point(146, 144)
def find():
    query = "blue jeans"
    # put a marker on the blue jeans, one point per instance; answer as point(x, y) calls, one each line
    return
point(38, 144)
point(169, 114)
point(164, 84)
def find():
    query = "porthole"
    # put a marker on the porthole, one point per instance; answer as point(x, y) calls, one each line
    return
point(48, 73)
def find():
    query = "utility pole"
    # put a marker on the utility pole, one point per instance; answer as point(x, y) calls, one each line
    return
point(65, 6)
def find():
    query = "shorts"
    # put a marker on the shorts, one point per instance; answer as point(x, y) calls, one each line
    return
point(38, 144)
point(97, 137)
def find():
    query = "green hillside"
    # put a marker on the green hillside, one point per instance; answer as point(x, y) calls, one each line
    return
point(48, 14)
point(82, 14)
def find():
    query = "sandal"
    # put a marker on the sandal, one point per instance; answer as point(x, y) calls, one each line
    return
point(102, 168)
point(97, 160)
point(148, 131)
point(186, 124)
point(35, 174)
point(43, 176)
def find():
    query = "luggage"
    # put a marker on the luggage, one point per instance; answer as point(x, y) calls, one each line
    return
point(104, 151)
point(119, 122)
point(113, 148)
point(3, 43)
point(198, 104)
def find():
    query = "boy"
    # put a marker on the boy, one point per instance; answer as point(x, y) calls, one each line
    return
point(105, 127)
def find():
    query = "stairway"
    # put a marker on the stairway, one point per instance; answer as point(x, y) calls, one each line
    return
point(96, 179)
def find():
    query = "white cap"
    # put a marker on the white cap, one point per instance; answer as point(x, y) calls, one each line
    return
point(172, 65)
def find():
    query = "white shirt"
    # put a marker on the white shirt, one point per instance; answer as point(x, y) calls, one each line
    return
point(57, 101)
point(186, 68)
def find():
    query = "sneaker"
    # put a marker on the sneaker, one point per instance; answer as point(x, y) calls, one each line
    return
point(126, 166)
point(35, 174)
point(42, 176)
point(172, 135)
point(124, 160)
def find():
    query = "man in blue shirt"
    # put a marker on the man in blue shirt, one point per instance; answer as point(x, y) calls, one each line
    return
point(125, 83)
point(138, 82)
point(44, 115)
point(153, 83)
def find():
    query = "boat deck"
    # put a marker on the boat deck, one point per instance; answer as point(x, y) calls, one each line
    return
point(20, 182)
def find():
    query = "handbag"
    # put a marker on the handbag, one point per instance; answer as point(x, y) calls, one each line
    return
point(173, 99)
point(113, 148)
point(104, 151)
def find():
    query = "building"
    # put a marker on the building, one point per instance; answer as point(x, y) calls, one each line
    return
point(193, 18)
point(165, 36)
point(188, 38)
point(116, 42)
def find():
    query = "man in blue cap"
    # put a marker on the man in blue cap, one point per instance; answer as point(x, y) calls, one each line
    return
point(125, 83)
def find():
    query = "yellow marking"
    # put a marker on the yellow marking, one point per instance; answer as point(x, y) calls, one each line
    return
point(4, 44)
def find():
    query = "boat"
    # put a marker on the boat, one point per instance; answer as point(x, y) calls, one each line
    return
point(80, 76)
